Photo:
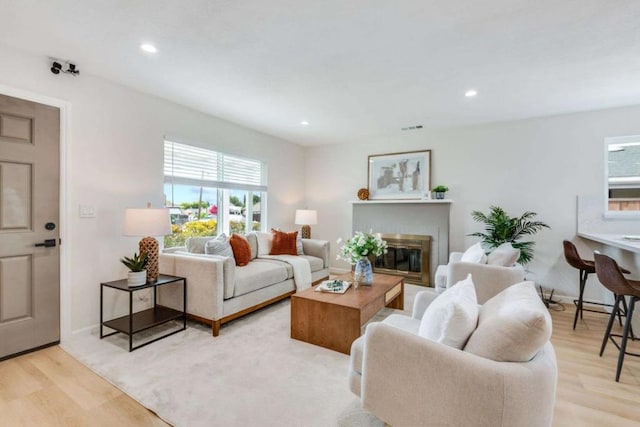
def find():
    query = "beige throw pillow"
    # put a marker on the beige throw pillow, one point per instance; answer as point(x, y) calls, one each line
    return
point(504, 255)
point(219, 246)
point(264, 242)
point(195, 245)
point(253, 244)
point(451, 317)
point(474, 254)
point(512, 326)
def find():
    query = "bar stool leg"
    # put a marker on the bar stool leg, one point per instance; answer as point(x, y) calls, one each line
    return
point(626, 311)
point(623, 344)
point(612, 317)
point(624, 306)
point(583, 283)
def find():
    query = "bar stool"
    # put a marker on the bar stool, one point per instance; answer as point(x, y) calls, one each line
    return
point(610, 275)
point(586, 267)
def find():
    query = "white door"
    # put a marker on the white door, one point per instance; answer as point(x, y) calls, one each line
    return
point(29, 217)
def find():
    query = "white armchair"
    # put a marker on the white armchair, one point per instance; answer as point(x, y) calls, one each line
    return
point(489, 279)
point(407, 380)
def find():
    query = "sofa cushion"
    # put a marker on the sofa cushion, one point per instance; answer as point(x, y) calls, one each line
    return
point(512, 326)
point(504, 255)
point(474, 254)
point(253, 243)
point(452, 317)
point(283, 243)
point(259, 274)
point(241, 249)
point(219, 246)
point(195, 245)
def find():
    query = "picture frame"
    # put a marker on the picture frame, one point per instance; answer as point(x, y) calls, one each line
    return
point(399, 176)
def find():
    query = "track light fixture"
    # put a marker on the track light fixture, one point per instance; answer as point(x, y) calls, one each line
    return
point(56, 68)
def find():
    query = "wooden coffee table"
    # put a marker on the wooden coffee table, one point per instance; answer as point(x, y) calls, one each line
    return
point(334, 321)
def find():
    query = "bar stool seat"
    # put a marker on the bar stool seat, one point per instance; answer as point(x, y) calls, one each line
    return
point(610, 275)
point(586, 267)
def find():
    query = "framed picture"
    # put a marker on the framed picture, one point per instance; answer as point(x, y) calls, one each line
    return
point(400, 175)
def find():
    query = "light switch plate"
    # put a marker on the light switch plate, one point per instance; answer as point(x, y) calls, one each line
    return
point(87, 211)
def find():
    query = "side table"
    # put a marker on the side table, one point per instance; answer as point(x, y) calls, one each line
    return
point(145, 319)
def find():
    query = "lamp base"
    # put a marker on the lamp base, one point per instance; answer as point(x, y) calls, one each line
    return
point(306, 232)
point(150, 246)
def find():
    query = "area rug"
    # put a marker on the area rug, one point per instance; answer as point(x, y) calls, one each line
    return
point(253, 374)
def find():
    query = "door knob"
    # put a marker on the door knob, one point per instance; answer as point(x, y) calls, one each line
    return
point(49, 243)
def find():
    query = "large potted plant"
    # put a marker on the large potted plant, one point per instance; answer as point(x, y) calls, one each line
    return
point(138, 274)
point(501, 228)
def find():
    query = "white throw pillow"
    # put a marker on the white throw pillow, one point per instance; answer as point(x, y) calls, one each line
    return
point(452, 317)
point(299, 247)
point(474, 254)
point(512, 326)
point(504, 255)
point(219, 246)
point(264, 242)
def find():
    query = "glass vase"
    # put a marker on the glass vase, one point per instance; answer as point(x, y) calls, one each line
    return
point(363, 273)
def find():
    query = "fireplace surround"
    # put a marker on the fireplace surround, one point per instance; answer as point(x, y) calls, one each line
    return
point(408, 256)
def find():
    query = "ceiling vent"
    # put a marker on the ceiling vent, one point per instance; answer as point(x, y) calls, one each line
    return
point(416, 127)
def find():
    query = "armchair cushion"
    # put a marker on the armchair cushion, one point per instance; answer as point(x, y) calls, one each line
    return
point(452, 317)
point(512, 326)
point(504, 255)
point(474, 254)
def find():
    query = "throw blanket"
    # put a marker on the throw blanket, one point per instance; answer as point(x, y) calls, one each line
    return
point(301, 269)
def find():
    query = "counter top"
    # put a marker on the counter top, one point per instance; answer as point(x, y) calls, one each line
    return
point(615, 240)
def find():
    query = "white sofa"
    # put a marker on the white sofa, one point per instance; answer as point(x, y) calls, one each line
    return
point(487, 278)
point(218, 291)
point(407, 380)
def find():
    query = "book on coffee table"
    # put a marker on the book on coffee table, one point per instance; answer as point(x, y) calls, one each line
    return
point(333, 286)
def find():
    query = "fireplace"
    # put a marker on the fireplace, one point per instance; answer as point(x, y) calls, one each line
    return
point(409, 256)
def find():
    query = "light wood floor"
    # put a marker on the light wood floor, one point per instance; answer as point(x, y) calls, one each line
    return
point(50, 388)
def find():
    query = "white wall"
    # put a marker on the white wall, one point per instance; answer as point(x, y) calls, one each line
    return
point(115, 161)
point(539, 165)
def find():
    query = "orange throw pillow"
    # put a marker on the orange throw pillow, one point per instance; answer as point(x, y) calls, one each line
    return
point(241, 249)
point(283, 243)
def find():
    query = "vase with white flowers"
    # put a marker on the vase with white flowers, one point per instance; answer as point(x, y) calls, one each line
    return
point(357, 250)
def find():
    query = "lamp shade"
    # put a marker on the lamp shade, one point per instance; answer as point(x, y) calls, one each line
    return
point(147, 222)
point(306, 217)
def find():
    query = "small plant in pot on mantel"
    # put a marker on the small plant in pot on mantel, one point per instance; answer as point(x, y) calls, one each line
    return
point(136, 264)
point(440, 190)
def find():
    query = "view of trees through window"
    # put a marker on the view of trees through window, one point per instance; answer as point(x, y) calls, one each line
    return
point(207, 207)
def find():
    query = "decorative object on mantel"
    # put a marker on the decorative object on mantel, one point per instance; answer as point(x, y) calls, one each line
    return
point(363, 194)
point(399, 175)
point(136, 264)
point(148, 222)
point(306, 218)
point(440, 190)
point(357, 250)
point(501, 228)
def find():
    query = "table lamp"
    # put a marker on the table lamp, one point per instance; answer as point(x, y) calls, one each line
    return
point(306, 218)
point(148, 222)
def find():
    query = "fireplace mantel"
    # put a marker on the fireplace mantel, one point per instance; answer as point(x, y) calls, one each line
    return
point(392, 201)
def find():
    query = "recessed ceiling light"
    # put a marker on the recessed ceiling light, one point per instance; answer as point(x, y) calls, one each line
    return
point(147, 47)
point(304, 123)
point(471, 93)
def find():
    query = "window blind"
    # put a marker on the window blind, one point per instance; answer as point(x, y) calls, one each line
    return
point(188, 165)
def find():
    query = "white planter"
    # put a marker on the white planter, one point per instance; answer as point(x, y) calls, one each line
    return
point(137, 278)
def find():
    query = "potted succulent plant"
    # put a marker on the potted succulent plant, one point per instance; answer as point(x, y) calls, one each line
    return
point(440, 190)
point(136, 264)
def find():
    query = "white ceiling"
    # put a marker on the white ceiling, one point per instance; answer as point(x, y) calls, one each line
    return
point(354, 69)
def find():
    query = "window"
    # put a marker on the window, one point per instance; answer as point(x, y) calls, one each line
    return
point(622, 176)
point(211, 193)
